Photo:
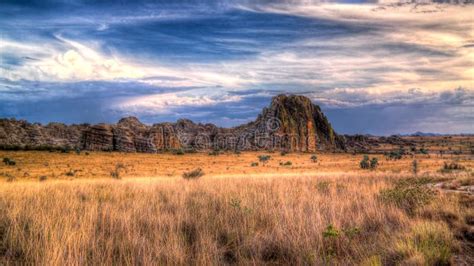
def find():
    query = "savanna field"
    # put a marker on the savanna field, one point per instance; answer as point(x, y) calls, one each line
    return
point(149, 209)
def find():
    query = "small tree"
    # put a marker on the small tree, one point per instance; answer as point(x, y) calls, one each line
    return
point(414, 167)
point(314, 158)
point(374, 163)
point(264, 159)
point(364, 163)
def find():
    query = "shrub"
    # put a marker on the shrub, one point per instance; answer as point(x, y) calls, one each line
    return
point(78, 151)
point(70, 173)
point(65, 149)
point(414, 167)
point(8, 161)
point(87, 153)
point(178, 152)
point(287, 163)
point(423, 150)
point(264, 158)
point(364, 163)
point(408, 194)
point(331, 232)
point(254, 164)
point(194, 174)
point(452, 166)
point(116, 172)
point(283, 153)
point(374, 163)
point(394, 155)
point(314, 158)
point(43, 178)
point(351, 232)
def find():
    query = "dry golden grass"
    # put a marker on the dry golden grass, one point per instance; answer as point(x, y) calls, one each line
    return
point(328, 212)
point(33, 165)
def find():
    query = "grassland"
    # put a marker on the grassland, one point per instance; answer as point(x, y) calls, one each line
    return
point(68, 209)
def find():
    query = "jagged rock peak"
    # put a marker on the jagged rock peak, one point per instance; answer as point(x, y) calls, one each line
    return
point(130, 121)
point(290, 98)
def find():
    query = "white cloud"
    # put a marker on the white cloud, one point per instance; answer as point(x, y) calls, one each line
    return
point(356, 61)
point(165, 103)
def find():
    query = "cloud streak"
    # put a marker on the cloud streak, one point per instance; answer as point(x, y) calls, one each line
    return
point(160, 59)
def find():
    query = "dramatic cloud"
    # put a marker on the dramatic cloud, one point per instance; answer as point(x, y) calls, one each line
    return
point(379, 68)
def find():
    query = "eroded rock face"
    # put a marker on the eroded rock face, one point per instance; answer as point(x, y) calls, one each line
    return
point(290, 123)
point(293, 123)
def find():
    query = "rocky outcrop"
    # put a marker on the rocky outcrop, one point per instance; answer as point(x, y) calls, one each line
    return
point(290, 123)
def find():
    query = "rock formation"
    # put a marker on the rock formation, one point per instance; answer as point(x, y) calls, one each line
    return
point(290, 123)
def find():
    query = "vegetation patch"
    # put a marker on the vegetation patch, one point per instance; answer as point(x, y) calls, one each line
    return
point(8, 161)
point(264, 158)
point(365, 163)
point(452, 166)
point(428, 243)
point(194, 174)
point(408, 194)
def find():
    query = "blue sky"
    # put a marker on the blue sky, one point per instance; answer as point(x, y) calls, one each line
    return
point(374, 67)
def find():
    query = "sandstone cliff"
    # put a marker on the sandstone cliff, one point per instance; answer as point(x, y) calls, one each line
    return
point(290, 123)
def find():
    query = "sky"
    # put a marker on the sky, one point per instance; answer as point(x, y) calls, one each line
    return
point(374, 67)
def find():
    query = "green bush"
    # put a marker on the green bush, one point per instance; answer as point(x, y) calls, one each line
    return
point(66, 149)
point(264, 158)
point(287, 163)
point(178, 152)
point(254, 164)
point(374, 163)
point(408, 194)
point(314, 158)
point(331, 232)
point(364, 163)
point(8, 161)
point(394, 155)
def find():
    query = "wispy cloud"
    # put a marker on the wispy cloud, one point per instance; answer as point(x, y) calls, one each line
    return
point(198, 57)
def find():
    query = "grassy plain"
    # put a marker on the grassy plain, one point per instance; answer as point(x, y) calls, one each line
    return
point(59, 209)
